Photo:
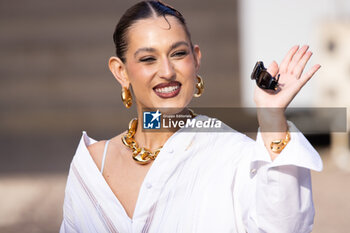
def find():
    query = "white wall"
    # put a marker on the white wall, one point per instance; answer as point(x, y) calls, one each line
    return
point(268, 28)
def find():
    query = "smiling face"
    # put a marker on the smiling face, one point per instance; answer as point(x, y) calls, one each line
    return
point(160, 64)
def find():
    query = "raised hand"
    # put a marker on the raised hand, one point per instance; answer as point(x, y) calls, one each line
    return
point(291, 79)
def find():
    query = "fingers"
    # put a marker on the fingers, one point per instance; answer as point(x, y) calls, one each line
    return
point(299, 68)
point(306, 77)
point(285, 63)
point(297, 57)
point(273, 69)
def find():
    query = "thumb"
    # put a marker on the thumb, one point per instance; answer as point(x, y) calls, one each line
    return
point(273, 69)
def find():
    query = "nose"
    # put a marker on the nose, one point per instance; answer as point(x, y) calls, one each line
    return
point(166, 69)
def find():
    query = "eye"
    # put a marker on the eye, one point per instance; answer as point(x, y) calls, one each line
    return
point(181, 53)
point(147, 59)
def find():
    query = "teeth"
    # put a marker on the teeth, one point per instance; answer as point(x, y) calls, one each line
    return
point(167, 89)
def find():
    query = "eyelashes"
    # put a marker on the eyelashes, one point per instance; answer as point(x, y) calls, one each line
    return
point(180, 53)
point(147, 59)
point(150, 59)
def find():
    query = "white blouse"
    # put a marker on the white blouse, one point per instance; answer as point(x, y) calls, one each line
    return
point(200, 182)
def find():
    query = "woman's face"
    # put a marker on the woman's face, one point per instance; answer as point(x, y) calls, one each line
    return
point(160, 64)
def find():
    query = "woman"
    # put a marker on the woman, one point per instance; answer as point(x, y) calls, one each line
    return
point(189, 182)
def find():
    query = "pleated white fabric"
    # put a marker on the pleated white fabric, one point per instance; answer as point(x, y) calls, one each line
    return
point(200, 182)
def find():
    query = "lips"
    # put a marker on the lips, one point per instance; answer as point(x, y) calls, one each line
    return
point(167, 90)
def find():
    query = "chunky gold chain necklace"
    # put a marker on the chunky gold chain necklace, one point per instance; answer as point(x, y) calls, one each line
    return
point(141, 155)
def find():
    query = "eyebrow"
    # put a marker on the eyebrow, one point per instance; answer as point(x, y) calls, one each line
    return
point(177, 44)
point(150, 49)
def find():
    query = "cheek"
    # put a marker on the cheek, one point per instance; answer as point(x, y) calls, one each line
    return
point(188, 64)
point(187, 68)
point(140, 75)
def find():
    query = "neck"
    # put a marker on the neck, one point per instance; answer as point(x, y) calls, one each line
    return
point(152, 140)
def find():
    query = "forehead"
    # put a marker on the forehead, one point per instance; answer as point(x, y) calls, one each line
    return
point(156, 32)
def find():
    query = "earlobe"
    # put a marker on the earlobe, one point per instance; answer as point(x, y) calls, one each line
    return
point(117, 67)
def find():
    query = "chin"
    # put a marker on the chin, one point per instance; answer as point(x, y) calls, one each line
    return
point(176, 103)
point(171, 108)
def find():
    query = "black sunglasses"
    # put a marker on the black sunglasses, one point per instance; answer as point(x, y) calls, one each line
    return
point(263, 79)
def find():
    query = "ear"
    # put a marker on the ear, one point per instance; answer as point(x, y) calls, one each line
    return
point(117, 67)
point(197, 56)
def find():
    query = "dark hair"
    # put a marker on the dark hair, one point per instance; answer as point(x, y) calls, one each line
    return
point(142, 10)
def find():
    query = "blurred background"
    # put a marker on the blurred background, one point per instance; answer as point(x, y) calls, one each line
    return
point(55, 83)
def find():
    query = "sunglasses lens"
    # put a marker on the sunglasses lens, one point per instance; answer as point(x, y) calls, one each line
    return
point(264, 79)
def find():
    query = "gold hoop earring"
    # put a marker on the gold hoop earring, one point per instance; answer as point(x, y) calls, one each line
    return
point(199, 86)
point(126, 97)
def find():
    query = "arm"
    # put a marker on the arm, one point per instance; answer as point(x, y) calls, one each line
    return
point(271, 105)
point(276, 196)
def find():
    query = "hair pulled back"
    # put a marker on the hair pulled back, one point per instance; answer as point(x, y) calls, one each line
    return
point(142, 10)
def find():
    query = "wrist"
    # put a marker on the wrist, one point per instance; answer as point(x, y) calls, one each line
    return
point(278, 145)
point(272, 120)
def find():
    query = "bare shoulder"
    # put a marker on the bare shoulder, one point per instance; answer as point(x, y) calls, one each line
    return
point(96, 149)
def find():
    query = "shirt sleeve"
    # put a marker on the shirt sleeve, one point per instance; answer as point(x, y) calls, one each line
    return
point(276, 196)
point(67, 225)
